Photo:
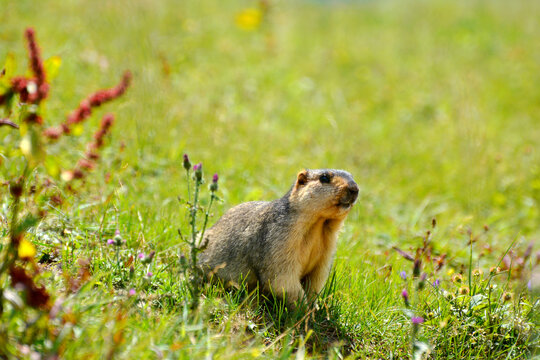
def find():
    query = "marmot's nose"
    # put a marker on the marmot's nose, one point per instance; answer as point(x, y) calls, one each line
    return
point(353, 191)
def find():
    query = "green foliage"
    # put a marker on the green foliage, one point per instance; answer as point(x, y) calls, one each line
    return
point(432, 106)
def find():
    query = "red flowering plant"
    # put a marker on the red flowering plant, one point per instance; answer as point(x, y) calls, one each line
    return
point(22, 123)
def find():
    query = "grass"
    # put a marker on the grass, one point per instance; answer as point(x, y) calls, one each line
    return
point(432, 106)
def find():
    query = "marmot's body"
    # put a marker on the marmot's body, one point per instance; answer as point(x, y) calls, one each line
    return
point(286, 245)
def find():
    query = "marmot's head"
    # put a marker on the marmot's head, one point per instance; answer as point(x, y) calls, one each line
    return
point(326, 192)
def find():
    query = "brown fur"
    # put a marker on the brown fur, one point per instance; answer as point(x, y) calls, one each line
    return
point(287, 245)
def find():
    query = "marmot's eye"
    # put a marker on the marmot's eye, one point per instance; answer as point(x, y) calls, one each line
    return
point(325, 178)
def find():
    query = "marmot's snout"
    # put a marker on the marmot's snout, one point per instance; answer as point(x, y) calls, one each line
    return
point(350, 194)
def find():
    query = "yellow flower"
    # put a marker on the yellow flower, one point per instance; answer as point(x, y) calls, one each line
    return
point(26, 249)
point(457, 278)
point(249, 19)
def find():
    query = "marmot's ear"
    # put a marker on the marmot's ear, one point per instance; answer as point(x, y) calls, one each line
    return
point(301, 178)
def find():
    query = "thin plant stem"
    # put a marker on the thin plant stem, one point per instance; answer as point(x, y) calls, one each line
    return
point(193, 285)
point(206, 217)
point(470, 261)
point(188, 189)
point(194, 207)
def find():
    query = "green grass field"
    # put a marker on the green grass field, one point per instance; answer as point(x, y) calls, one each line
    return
point(433, 106)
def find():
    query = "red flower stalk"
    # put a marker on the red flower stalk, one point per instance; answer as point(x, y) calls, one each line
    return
point(36, 296)
point(80, 114)
point(54, 133)
point(85, 164)
point(78, 174)
point(104, 128)
point(91, 152)
point(26, 88)
point(85, 107)
point(97, 99)
point(103, 96)
point(91, 155)
point(30, 90)
point(34, 119)
point(37, 65)
point(35, 58)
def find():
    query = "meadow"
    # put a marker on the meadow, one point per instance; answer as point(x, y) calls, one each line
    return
point(433, 106)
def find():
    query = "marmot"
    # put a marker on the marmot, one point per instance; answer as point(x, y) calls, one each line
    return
point(286, 245)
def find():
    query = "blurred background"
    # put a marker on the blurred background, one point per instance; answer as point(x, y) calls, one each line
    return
point(433, 106)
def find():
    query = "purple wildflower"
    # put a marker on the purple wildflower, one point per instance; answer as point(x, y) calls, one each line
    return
point(149, 274)
point(529, 285)
point(110, 242)
point(198, 171)
point(417, 320)
point(214, 184)
point(141, 256)
point(403, 275)
point(436, 283)
point(132, 292)
point(187, 164)
point(405, 295)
